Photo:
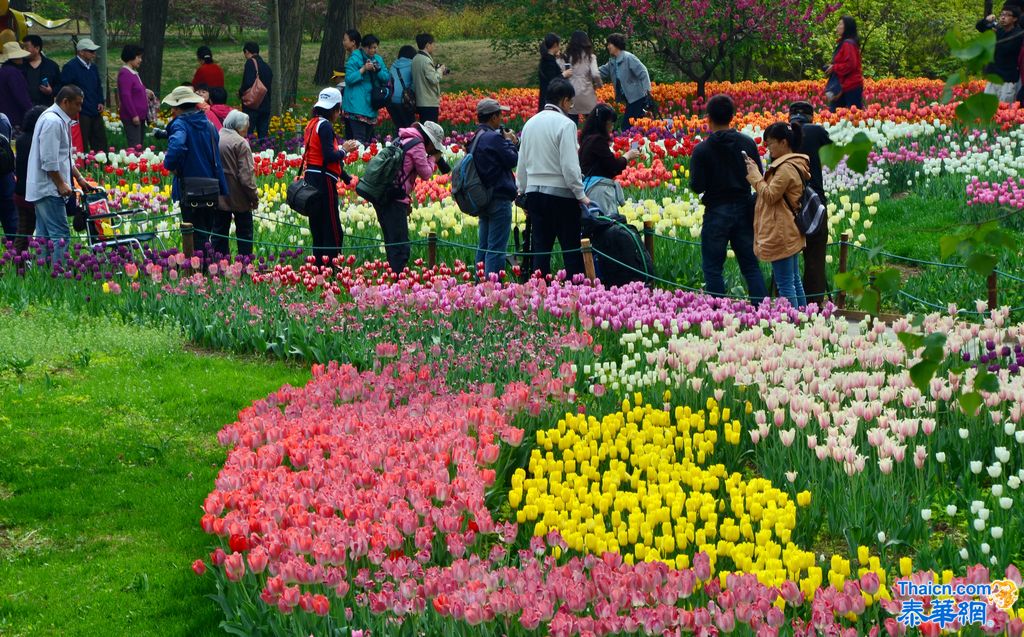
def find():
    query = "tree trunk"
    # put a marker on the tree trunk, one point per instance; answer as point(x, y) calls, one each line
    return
point(154, 28)
point(274, 35)
point(341, 15)
point(98, 26)
point(291, 12)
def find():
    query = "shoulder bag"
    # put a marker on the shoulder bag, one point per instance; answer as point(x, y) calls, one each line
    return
point(253, 96)
point(302, 196)
point(201, 194)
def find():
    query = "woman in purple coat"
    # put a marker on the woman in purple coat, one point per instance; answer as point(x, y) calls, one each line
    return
point(133, 95)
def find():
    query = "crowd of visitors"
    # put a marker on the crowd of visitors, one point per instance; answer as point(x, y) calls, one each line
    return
point(556, 173)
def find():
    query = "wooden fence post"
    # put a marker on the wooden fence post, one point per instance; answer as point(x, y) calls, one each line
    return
point(649, 238)
point(431, 249)
point(844, 252)
point(588, 259)
point(187, 240)
point(993, 293)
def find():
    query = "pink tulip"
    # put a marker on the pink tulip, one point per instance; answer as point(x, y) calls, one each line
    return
point(234, 567)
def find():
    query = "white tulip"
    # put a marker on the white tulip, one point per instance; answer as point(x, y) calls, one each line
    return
point(985, 548)
point(926, 514)
point(976, 466)
point(951, 510)
point(1008, 428)
point(1006, 503)
point(1013, 482)
point(984, 513)
point(963, 433)
point(977, 505)
point(881, 537)
point(997, 490)
point(940, 457)
point(979, 525)
point(963, 554)
point(1003, 454)
point(995, 470)
point(1019, 436)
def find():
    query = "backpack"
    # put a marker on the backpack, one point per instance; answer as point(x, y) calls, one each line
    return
point(810, 211)
point(622, 257)
point(408, 95)
point(6, 156)
point(379, 183)
point(468, 190)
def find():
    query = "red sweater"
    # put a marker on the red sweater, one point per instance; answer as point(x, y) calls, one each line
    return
point(846, 64)
point(209, 74)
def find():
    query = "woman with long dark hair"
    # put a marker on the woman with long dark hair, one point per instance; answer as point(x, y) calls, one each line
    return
point(777, 239)
point(585, 76)
point(845, 74)
point(549, 67)
point(598, 163)
point(209, 72)
point(323, 171)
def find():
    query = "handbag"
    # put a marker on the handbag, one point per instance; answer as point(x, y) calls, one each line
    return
point(201, 194)
point(253, 96)
point(302, 196)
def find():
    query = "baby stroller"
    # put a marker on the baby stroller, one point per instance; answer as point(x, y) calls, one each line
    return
point(103, 224)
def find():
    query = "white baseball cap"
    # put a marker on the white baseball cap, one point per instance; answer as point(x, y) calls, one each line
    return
point(86, 44)
point(328, 98)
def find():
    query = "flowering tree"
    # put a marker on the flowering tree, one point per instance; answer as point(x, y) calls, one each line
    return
point(696, 36)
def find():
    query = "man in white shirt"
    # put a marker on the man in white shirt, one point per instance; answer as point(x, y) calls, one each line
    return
point(50, 169)
point(549, 175)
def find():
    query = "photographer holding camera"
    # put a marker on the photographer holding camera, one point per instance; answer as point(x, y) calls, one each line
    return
point(422, 144)
point(365, 73)
point(426, 79)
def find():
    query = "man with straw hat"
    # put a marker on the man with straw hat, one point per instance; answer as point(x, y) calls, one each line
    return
point(83, 73)
point(193, 152)
point(14, 99)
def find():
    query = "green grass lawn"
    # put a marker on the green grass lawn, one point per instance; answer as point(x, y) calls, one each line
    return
point(107, 449)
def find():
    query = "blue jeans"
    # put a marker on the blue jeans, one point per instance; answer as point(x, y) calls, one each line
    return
point(52, 224)
point(495, 226)
point(787, 279)
point(8, 213)
point(724, 224)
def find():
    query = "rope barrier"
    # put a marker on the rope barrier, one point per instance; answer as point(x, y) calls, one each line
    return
point(676, 239)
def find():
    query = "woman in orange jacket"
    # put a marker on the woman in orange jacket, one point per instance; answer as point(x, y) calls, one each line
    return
point(776, 236)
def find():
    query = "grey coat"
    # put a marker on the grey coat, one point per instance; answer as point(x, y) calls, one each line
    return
point(628, 75)
point(606, 193)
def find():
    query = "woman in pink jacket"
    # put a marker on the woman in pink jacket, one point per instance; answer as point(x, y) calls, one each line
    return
point(423, 142)
point(132, 94)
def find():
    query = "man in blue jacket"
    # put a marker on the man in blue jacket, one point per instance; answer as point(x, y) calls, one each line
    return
point(364, 70)
point(83, 73)
point(192, 151)
point(495, 155)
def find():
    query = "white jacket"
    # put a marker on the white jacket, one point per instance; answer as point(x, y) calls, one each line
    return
point(548, 156)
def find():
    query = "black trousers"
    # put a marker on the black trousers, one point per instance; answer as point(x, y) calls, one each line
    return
point(243, 231)
point(393, 218)
point(94, 133)
point(202, 223)
point(815, 282)
point(554, 218)
point(428, 113)
point(324, 222)
point(401, 116)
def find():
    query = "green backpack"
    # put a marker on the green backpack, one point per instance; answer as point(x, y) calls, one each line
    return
point(379, 184)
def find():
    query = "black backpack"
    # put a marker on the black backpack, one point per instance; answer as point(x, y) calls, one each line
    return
point(810, 211)
point(6, 156)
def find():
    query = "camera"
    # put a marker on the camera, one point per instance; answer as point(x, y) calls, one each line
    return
point(442, 166)
point(376, 66)
point(160, 133)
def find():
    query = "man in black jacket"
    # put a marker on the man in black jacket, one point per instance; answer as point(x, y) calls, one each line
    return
point(718, 174)
point(495, 155)
point(259, 115)
point(814, 137)
point(41, 73)
point(1008, 44)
